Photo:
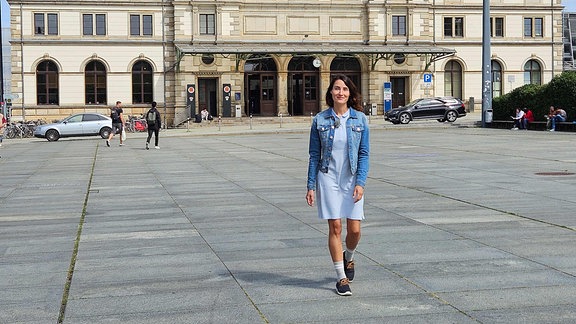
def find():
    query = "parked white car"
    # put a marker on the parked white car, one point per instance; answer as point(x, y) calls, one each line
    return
point(85, 124)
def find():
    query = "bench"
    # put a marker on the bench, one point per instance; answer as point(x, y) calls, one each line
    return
point(567, 126)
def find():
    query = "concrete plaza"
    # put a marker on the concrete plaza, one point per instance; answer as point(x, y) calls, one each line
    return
point(464, 225)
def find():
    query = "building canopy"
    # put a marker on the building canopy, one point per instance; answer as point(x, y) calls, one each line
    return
point(375, 52)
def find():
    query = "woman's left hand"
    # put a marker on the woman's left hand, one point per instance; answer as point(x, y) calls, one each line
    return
point(358, 193)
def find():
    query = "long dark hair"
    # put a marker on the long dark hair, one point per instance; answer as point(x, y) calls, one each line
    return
point(355, 98)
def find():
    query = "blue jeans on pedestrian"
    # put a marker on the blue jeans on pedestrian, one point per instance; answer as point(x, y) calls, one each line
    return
point(557, 118)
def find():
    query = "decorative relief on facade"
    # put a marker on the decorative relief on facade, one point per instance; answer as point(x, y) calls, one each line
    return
point(345, 25)
point(260, 25)
point(303, 25)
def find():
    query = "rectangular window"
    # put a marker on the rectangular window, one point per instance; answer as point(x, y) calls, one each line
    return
point(538, 27)
point(92, 22)
point(135, 25)
point(100, 24)
point(52, 24)
point(45, 24)
point(87, 25)
point(459, 27)
point(147, 25)
point(39, 28)
point(454, 26)
point(207, 24)
point(533, 27)
point(497, 27)
point(399, 25)
point(138, 29)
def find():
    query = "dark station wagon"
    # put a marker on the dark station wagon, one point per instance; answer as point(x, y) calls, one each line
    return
point(440, 108)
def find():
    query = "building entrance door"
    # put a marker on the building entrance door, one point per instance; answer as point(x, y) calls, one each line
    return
point(398, 91)
point(261, 94)
point(303, 94)
point(207, 97)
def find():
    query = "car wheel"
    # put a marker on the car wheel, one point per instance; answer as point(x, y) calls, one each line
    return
point(52, 135)
point(451, 116)
point(105, 132)
point(404, 118)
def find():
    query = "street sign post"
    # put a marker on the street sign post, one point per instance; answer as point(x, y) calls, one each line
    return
point(427, 79)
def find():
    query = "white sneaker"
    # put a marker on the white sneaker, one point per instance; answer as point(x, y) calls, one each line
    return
point(552, 130)
point(157, 147)
point(514, 128)
point(147, 146)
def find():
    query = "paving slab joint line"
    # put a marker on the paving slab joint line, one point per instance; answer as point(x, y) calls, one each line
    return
point(250, 299)
point(429, 293)
point(66, 292)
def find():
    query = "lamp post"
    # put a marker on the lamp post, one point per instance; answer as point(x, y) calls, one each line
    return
point(486, 65)
point(1, 66)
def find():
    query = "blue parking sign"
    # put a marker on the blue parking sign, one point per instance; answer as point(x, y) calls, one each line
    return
point(427, 77)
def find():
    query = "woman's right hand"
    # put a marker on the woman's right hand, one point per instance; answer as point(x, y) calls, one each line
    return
point(310, 197)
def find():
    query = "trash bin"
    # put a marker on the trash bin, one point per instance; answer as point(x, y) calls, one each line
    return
point(238, 111)
point(374, 110)
point(488, 116)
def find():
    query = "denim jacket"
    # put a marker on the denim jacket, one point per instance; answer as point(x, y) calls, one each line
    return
point(321, 141)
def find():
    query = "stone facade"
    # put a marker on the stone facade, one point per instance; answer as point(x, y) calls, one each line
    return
point(244, 44)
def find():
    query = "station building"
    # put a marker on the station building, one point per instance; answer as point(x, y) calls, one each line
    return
point(270, 57)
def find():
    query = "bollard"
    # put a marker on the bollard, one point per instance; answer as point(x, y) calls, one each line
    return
point(311, 118)
point(250, 121)
point(188, 125)
point(219, 121)
point(280, 120)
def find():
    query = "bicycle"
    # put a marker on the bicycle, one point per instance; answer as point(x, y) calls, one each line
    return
point(21, 130)
point(136, 124)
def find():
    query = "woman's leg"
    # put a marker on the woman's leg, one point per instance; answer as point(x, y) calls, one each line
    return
point(335, 239)
point(352, 233)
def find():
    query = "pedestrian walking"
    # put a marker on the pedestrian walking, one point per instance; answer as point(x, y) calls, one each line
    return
point(154, 122)
point(116, 113)
point(339, 152)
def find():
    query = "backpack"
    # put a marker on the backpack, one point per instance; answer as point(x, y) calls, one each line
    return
point(114, 115)
point(151, 117)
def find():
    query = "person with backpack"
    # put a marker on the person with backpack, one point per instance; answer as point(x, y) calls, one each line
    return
point(154, 122)
point(117, 123)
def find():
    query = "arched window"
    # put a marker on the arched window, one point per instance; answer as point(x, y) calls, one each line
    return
point(260, 63)
point(301, 63)
point(95, 83)
point(496, 79)
point(47, 83)
point(348, 66)
point(532, 73)
point(142, 85)
point(453, 79)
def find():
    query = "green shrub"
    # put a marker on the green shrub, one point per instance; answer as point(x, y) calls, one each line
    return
point(559, 92)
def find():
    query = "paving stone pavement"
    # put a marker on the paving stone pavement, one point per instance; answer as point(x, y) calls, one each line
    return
point(464, 225)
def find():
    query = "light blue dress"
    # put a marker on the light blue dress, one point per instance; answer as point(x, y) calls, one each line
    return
point(335, 188)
